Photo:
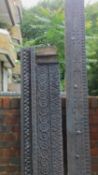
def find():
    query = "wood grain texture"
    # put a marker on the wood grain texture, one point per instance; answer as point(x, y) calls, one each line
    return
point(78, 145)
point(41, 117)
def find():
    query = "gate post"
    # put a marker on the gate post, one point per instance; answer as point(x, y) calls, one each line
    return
point(78, 143)
point(28, 107)
point(42, 150)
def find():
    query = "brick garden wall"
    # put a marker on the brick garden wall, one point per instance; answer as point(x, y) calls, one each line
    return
point(93, 120)
point(10, 135)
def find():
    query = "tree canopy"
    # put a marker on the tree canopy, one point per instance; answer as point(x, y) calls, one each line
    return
point(44, 25)
point(91, 12)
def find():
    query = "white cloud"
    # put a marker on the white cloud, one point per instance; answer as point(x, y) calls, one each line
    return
point(30, 3)
point(90, 1)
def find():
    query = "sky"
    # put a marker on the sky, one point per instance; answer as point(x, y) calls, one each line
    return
point(30, 3)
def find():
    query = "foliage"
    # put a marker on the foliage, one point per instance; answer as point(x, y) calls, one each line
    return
point(3, 25)
point(44, 25)
point(92, 47)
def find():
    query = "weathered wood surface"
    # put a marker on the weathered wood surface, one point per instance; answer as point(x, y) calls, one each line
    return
point(42, 150)
point(78, 145)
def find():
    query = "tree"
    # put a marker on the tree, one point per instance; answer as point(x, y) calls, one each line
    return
point(92, 47)
point(44, 25)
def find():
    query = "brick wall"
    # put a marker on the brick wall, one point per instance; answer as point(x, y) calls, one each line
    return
point(93, 120)
point(10, 135)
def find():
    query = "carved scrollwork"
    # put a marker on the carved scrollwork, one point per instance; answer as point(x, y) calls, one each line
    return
point(42, 121)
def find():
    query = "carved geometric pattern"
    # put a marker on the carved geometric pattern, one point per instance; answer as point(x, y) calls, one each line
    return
point(56, 122)
point(26, 114)
point(41, 121)
point(77, 92)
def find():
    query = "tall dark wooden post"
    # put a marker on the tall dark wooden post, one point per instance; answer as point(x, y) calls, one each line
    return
point(28, 115)
point(42, 151)
point(78, 145)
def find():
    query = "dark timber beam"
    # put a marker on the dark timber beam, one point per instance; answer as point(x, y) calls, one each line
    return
point(78, 145)
point(42, 150)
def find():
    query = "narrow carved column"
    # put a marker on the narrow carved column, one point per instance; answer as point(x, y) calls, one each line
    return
point(42, 123)
point(28, 115)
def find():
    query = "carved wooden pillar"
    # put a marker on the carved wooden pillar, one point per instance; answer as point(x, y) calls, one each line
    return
point(78, 143)
point(42, 151)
